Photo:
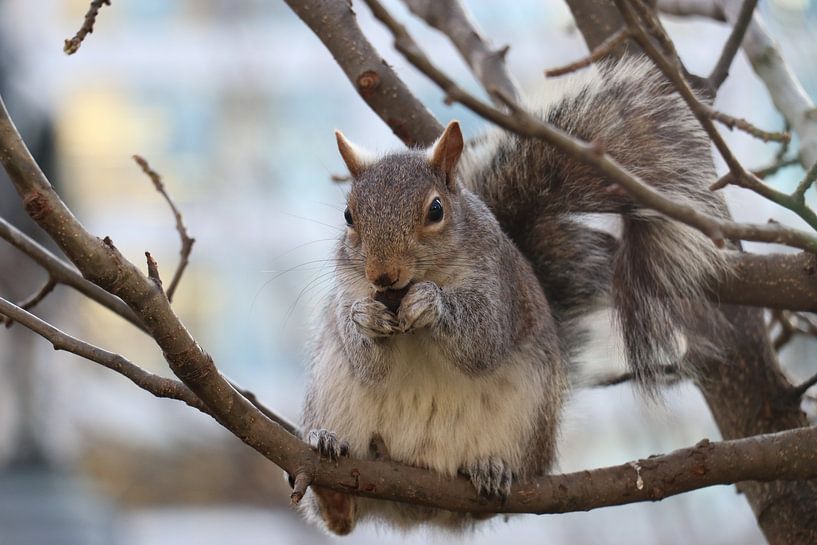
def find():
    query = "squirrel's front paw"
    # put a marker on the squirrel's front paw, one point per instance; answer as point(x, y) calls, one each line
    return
point(491, 477)
point(327, 444)
point(420, 307)
point(373, 319)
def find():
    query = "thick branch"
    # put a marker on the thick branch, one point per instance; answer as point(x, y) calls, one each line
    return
point(451, 18)
point(783, 281)
point(334, 22)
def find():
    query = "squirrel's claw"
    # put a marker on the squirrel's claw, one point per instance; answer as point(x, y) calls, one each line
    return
point(373, 319)
point(327, 444)
point(491, 477)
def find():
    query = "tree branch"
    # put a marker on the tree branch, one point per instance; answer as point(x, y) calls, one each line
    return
point(335, 24)
point(782, 281)
point(186, 239)
point(637, 18)
point(156, 385)
point(35, 299)
point(452, 19)
point(72, 44)
point(745, 126)
point(721, 70)
point(64, 273)
point(763, 52)
point(599, 52)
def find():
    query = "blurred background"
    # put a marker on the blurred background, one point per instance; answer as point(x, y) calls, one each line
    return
point(234, 103)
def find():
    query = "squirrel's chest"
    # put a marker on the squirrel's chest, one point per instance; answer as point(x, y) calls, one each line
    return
point(431, 414)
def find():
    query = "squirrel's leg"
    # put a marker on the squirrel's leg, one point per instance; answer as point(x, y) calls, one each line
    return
point(364, 328)
point(491, 477)
point(338, 510)
point(466, 323)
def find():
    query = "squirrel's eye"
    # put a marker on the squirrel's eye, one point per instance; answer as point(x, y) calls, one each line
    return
point(347, 215)
point(435, 211)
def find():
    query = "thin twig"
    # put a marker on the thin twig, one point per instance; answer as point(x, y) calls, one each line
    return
point(299, 486)
point(156, 385)
point(801, 389)
point(745, 126)
point(765, 172)
point(187, 241)
point(33, 300)
point(670, 376)
point(598, 53)
point(64, 273)
point(153, 269)
point(807, 181)
point(721, 70)
point(72, 44)
point(787, 330)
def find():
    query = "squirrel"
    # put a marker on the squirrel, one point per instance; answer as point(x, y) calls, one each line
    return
point(464, 272)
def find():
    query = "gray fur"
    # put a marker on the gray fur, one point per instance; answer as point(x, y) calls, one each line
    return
point(660, 268)
point(470, 375)
point(466, 377)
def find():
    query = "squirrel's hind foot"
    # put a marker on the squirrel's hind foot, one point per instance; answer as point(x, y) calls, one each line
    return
point(327, 444)
point(491, 477)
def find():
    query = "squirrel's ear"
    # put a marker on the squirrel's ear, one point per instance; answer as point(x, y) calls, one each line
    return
point(355, 158)
point(446, 151)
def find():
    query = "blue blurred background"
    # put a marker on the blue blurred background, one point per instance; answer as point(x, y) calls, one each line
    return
point(234, 103)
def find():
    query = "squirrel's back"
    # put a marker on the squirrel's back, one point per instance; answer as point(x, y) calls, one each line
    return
point(658, 271)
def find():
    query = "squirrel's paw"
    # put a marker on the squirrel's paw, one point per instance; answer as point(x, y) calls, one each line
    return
point(373, 319)
point(420, 307)
point(491, 477)
point(327, 444)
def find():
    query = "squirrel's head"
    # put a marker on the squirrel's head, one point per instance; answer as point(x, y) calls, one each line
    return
point(401, 209)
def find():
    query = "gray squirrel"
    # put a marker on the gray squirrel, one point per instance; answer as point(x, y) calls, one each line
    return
point(464, 272)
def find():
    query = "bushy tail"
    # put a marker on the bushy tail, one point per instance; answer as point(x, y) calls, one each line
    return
point(659, 270)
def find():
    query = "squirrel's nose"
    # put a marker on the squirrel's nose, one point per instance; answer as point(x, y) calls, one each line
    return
point(385, 280)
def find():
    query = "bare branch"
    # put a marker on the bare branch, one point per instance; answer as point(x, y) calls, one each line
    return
point(781, 281)
point(452, 19)
point(64, 273)
point(156, 385)
point(335, 24)
point(35, 298)
point(745, 126)
point(765, 172)
point(807, 181)
point(599, 52)
point(670, 376)
point(72, 44)
point(187, 240)
point(763, 52)
point(737, 174)
point(730, 48)
point(801, 389)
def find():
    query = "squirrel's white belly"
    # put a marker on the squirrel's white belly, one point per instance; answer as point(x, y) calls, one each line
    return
point(428, 412)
